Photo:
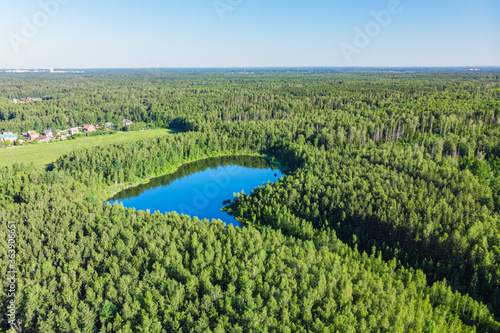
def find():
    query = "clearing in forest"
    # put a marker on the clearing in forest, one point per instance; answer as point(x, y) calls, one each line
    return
point(42, 154)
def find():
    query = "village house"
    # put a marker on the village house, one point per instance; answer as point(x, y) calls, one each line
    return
point(110, 124)
point(125, 122)
point(32, 135)
point(43, 139)
point(73, 131)
point(48, 133)
point(8, 136)
point(89, 128)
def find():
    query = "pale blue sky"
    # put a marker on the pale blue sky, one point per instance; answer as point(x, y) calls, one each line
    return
point(190, 33)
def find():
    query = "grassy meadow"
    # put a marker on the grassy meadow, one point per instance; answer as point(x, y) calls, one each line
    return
point(43, 154)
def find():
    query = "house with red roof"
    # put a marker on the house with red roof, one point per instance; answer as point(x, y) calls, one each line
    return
point(43, 139)
point(89, 128)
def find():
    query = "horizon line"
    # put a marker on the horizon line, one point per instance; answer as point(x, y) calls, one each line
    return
point(251, 67)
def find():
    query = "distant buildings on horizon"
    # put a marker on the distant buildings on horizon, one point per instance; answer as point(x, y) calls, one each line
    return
point(26, 100)
point(43, 70)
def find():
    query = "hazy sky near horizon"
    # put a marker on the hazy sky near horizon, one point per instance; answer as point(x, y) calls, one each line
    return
point(247, 33)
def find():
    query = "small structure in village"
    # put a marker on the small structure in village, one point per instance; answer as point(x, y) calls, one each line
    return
point(125, 122)
point(8, 136)
point(48, 133)
point(73, 131)
point(89, 128)
point(32, 135)
point(43, 139)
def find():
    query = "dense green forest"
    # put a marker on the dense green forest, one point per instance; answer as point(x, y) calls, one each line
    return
point(387, 220)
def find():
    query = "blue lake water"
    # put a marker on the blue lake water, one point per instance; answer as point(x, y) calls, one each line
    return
point(199, 188)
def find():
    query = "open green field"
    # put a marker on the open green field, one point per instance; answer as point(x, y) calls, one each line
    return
point(45, 153)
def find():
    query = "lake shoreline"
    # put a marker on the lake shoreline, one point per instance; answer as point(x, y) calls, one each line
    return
point(115, 189)
point(201, 188)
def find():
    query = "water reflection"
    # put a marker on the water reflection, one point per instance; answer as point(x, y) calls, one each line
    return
point(199, 188)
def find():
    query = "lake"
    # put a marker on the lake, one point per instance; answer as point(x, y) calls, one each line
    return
point(199, 188)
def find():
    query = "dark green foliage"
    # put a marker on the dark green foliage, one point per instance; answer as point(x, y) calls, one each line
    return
point(388, 219)
point(98, 267)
